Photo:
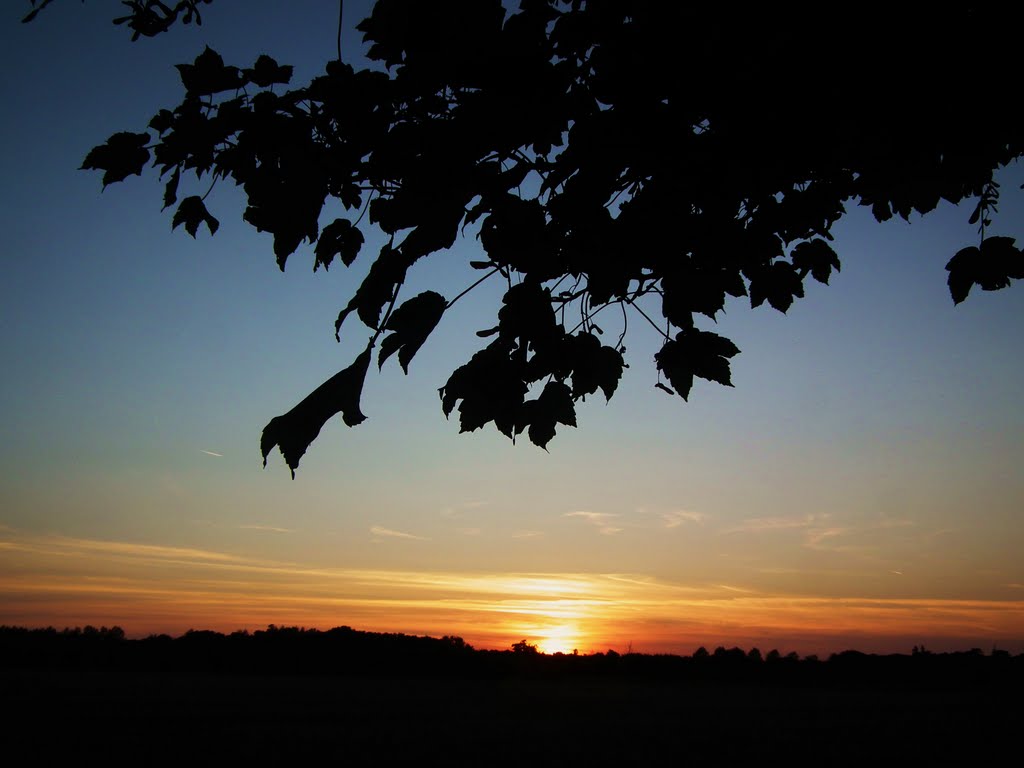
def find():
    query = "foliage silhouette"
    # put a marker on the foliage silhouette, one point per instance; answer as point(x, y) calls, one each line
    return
point(658, 158)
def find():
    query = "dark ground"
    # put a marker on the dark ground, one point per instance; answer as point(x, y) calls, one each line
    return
point(290, 696)
point(147, 718)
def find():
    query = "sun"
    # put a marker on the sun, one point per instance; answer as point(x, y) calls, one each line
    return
point(563, 639)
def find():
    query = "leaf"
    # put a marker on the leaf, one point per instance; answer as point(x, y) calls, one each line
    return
point(594, 366)
point(293, 432)
point(162, 121)
point(123, 155)
point(351, 196)
point(696, 353)
point(410, 325)
point(338, 238)
point(779, 283)
point(554, 406)
point(377, 288)
point(192, 212)
point(527, 313)
point(961, 272)
point(266, 72)
point(171, 189)
point(992, 267)
point(207, 75)
point(817, 257)
point(490, 386)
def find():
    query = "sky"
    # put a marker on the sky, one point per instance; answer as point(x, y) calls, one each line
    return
point(859, 487)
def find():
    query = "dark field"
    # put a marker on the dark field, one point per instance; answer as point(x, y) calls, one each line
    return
point(398, 700)
point(214, 719)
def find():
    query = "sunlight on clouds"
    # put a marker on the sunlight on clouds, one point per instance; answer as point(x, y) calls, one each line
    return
point(601, 520)
point(57, 580)
point(527, 534)
point(379, 530)
point(679, 517)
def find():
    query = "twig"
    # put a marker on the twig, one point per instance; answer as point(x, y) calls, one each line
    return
point(341, 12)
point(474, 285)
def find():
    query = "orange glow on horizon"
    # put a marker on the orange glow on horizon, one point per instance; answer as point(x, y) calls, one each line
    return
point(62, 581)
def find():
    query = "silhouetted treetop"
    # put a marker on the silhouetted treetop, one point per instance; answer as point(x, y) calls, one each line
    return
point(647, 157)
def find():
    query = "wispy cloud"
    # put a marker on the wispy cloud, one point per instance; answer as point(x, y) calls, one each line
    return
point(267, 528)
point(527, 534)
point(468, 531)
point(678, 517)
point(457, 510)
point(212, 453)
point(147, 587)
point(601, 520)
point(825, 538)
point(379, 530)
point(760, 524)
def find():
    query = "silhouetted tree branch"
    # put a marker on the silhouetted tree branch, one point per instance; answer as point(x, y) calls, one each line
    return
point(677, 153)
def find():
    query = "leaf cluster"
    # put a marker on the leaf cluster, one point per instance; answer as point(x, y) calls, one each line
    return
point(642, 155)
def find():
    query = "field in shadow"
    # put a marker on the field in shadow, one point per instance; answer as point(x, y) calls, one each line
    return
point(213, 699)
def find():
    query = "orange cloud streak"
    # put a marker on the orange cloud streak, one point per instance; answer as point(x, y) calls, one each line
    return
point(64, 581)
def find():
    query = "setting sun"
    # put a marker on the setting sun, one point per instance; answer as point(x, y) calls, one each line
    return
point(563, 639)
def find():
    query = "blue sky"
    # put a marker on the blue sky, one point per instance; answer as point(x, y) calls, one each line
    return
point(870, 448)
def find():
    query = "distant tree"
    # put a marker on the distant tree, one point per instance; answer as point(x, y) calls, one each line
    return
point(618, 160)
point(524, 648)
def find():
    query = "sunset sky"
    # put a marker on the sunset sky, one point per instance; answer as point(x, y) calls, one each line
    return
point(859, 487)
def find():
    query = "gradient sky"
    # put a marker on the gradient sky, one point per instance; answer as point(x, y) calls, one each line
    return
point(860, 486)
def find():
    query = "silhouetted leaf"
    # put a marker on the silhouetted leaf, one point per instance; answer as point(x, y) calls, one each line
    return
point(594, 366)
point(539, 417)
point(338, 238)
point(266, 72)
point(527, 313)
point(208, 75)
point(123, 155)
point(294, 431)
point(192, 212)
point(410, 325)
point(992, 267)
point(162, 121)
point(779, 283)
point(696, 353)
point(490, 387)
point(961, 272)
point(377, 288)
point(171, 189)
point(817, 257)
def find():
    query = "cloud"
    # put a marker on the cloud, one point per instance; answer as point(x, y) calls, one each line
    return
point(824, 539)
point(379, 530)
point(759, 524)
point(468, 531)
point(212, 453)
point(527, 534)
point(679, 517)
point(602, 520)
point(267, 528)
point(44, 578)
point(457, 509)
